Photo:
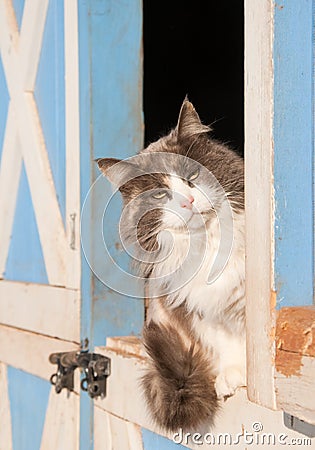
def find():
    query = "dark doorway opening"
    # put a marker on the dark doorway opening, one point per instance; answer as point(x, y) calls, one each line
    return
point(194, 48)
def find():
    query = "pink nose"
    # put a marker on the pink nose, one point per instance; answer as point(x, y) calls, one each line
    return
point(187, 202)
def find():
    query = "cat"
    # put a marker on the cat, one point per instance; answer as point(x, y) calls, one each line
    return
point(184, 208)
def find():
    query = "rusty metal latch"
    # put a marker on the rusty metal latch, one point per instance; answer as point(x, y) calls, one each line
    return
point(95, 367)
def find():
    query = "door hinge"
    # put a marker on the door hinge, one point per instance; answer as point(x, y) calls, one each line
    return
point(95, 367)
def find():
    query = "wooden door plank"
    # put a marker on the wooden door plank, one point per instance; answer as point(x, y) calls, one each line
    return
point(30, 351)
point(296, 391)
point(49, 310)
point(110, 45)
point(61, 428)
point(111, 432)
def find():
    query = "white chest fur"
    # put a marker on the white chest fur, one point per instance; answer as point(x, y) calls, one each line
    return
point(186, 262)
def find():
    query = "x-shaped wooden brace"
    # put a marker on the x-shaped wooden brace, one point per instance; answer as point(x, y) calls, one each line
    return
point(20, 53)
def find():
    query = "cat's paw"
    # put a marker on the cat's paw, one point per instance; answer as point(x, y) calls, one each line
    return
point(228, 381)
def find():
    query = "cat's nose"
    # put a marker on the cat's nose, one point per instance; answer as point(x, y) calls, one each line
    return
point(187, 202)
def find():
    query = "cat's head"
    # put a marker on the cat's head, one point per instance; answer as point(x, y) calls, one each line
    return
point(177, 183)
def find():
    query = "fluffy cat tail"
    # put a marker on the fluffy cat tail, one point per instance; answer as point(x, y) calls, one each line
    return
point(179, 385)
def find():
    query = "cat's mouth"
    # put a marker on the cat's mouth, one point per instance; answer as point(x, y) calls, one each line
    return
point(207, 214)
point(198, 220)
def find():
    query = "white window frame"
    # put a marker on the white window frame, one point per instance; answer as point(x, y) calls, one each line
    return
point(270, 333)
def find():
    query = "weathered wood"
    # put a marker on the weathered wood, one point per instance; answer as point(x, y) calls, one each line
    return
point(72, 129)
point(295, 330)
point(126, 344)
point(30, 45)
point(260, 297)
point(10, 164)
point(56, 250)
point(30, 351)
point(295, 385)
point(50, 310)
point(288, 363)
point(42, 310)
point(112, 432)
point(5, 413)
point(61, 428)
point(111, 124)
point(54, 243)
point(295, 361)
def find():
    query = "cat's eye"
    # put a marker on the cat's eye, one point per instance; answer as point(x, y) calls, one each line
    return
point(159, 195)
point(194, 175)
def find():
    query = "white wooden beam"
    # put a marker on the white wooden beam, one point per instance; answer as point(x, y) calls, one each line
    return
point(31, 38)
point(49, 310)
point(260, 296)
point(125, 400)
point(30, 351)
point(296, 393)
point(10, 172)
point(48, 216)
point(72, 140)
point(111, 432)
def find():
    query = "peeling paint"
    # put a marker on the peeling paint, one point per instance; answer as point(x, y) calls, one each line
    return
point(288, 364)
point(273, 299)
point(295, 338)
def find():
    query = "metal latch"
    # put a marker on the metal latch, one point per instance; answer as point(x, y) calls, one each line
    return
point(95, 367)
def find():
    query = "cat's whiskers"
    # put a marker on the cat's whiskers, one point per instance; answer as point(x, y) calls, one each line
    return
point(147, 237)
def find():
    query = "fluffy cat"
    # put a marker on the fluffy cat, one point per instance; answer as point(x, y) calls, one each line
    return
point(184, 212)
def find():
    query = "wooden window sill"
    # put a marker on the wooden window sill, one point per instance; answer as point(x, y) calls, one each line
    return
point(295, 362)
point(124, 398)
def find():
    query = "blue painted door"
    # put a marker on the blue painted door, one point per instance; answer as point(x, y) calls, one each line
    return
point(39, 221)
point(70, 90)
point(110, 45)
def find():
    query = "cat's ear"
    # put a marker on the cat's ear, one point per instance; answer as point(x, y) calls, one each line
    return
point(189, 123)
point(118, 171)
point(106, 163)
